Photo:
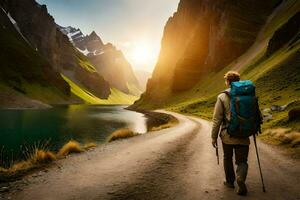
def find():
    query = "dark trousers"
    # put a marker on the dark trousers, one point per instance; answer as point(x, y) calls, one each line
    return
point(241, 158)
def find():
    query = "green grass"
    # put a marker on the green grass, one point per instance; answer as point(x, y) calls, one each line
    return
point(116, 97)
point(276, 77)
point(47, 94)
point(133, 89)
point(86, 65)
point(24, 70)
point(279, 85)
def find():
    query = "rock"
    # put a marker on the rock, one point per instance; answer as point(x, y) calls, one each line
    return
point(284, 107)
point(278, 108)
point(4, 189)
point(267, 117)
point(275, 108)
point(266, 110)
point(294, 114)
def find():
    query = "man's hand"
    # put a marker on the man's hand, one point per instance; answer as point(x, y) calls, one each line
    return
point(214, 143)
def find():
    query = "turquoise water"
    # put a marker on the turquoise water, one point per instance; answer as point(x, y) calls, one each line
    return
point(23, 129)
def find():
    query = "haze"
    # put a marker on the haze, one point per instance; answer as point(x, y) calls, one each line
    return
point(134, 26)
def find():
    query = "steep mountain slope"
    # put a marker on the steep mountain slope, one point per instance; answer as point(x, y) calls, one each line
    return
point(204, 37)
point(108, 61)
point(40, 30)
point(272, 62)
point(89, 45)
point(143, 77)
point(25, 76)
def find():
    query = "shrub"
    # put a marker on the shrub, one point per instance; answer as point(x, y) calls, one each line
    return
point(70, 147)
point(20, 166)
point(89, 146)
point(121, 134)
point(285, 136)
point(42, 156)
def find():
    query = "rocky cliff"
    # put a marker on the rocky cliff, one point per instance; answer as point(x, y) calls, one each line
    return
point(40, 30)
point(25, 76)
point(112, 64)
point(107, 59)
point(271, 61)
point(203, 37)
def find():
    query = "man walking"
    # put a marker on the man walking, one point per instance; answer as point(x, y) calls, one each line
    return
point(239, 145)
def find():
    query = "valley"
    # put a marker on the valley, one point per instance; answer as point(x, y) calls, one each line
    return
point(79, 121)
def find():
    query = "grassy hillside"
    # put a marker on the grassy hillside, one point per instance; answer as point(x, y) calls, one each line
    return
point(276, 74)
point(26, 76)
point(115, 98)
point(23, 71)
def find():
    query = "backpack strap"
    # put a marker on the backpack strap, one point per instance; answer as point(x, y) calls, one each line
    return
point(227, 93)
point(223, 106)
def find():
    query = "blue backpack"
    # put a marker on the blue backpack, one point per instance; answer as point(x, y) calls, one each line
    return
point(245, 117)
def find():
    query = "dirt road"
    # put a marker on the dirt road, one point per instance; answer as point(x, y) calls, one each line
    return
point(176, 163)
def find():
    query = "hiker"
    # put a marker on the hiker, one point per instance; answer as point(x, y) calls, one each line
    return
point(234, 135)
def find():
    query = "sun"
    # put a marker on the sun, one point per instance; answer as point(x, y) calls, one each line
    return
point(143, 53)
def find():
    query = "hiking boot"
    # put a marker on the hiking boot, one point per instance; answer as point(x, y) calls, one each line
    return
point(242, 189)
point(229, 185)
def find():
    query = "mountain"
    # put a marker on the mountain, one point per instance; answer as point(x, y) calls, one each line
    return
point(40, 29)
point(107, 59)
point(26, 78)
point(89, 45)
point(143, 77)
point(204, 39)
point(40, 66)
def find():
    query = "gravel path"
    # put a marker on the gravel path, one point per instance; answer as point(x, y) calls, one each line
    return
point(175, 163)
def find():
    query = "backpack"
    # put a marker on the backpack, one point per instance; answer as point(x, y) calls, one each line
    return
point(245, 116)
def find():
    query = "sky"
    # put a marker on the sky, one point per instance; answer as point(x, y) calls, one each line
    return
point(133, 26)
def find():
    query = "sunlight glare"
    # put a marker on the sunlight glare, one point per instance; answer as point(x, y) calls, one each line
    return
point(143, 53)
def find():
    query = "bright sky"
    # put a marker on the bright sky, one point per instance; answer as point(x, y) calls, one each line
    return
point(134, 26)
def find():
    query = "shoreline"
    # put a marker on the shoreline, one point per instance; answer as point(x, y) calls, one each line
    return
point(155, 121)
point(165, 155)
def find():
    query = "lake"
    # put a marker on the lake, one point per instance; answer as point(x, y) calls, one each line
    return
point(24, 129)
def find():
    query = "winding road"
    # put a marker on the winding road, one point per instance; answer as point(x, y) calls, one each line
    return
point(178, 163)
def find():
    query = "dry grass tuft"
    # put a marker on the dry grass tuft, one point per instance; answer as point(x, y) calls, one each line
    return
point(89, 146)
point(70, 147)
point(40, 156)
point(43, 156)
point(121, 134)
point(172, 122)
point(20, 166)
point(2, 170)
point(164, 126)
point(285, 136)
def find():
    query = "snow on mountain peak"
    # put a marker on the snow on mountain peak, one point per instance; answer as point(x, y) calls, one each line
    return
point(89, 45)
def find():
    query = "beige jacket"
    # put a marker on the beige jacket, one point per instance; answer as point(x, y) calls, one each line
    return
point(218, 122)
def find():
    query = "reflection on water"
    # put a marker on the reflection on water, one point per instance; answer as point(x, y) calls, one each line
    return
point(60, 124)
point(134, 121)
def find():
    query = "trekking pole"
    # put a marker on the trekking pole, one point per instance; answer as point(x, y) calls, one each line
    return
point(217, 153)
point(261, 176)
